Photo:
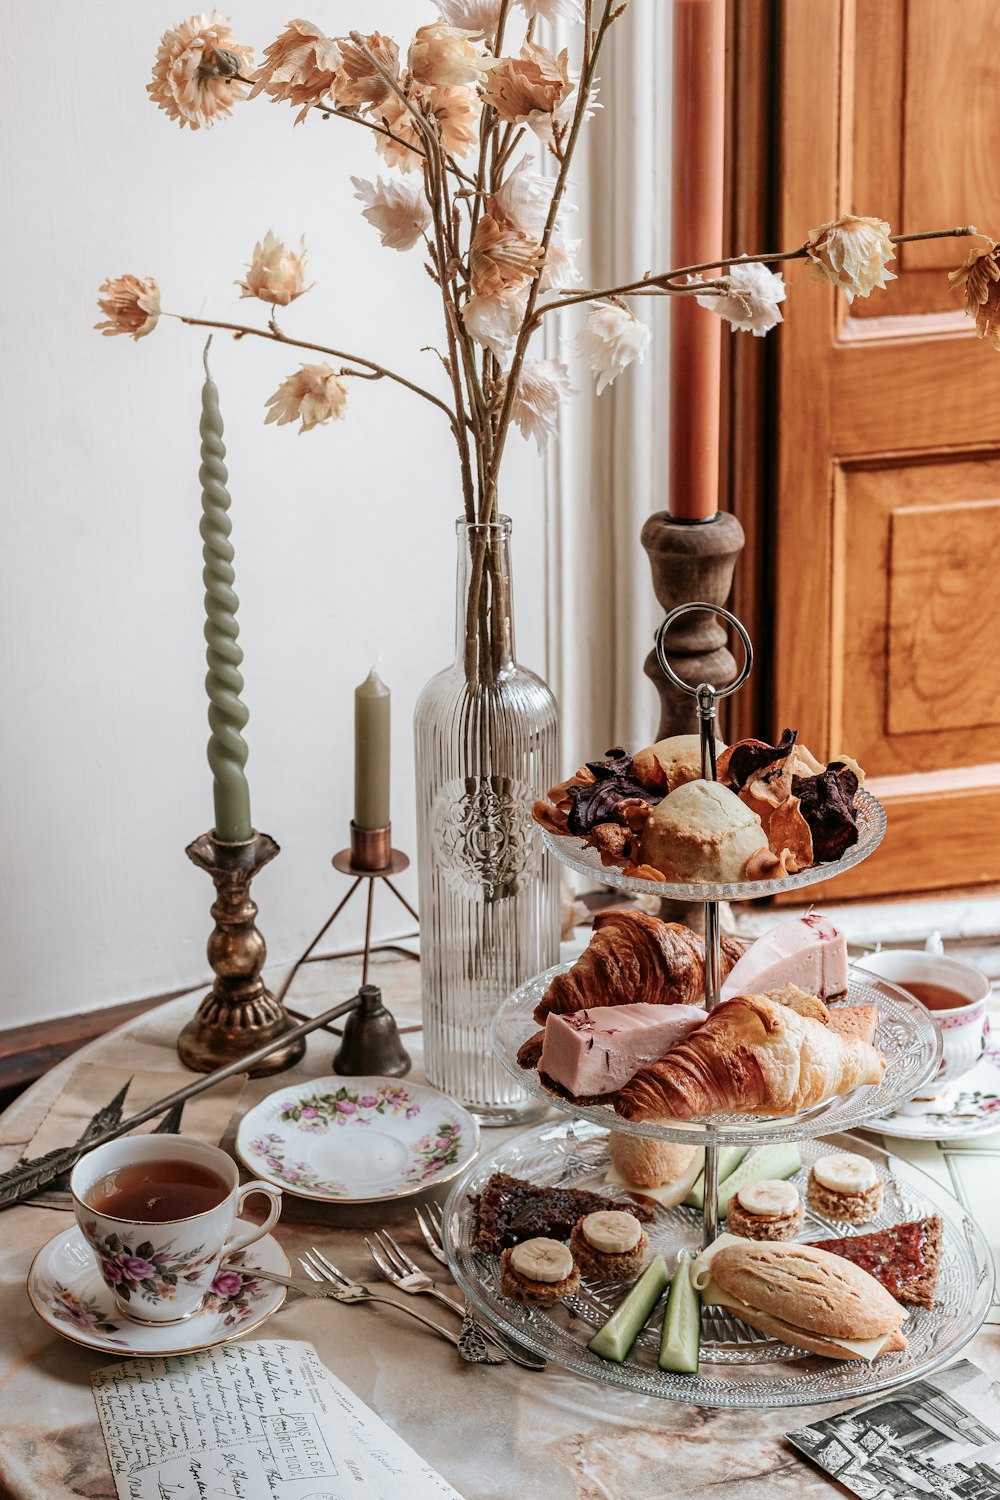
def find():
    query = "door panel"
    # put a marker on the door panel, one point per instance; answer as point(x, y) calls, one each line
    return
point(886, 531)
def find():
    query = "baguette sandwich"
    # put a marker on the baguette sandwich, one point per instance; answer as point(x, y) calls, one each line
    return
point(805, 1297)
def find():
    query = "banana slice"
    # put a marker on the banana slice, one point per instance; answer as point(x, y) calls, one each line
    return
point(611, 1231)
point(543, 1260)
point(845, 1174)
point(770, 1197)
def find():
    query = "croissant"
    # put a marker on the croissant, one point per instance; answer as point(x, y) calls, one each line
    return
point(634, 958)
point(750, 1056)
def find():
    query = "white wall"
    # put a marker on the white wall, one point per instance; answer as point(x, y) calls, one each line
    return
point(343, 536)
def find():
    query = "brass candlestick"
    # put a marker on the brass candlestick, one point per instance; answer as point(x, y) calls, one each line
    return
point(239, 1015)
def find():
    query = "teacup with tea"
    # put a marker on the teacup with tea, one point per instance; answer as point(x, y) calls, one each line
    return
point(956, 993)
point(160, 1212)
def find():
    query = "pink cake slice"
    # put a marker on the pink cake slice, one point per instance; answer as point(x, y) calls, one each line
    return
point(595, 1051)
point(807, 951)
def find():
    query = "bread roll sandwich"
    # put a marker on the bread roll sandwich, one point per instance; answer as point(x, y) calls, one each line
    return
point(802, 1296)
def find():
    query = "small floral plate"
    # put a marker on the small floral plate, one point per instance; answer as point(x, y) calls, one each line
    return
point(66, 1290)
point(356, 1140)
point(970, 1106)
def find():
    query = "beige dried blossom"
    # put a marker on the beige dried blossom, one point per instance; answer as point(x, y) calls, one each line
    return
point(478, 17)
point(552, 10)
point(543, 384)
point(980, 275)
point(129, 306)
point(494, 322)
point(612, 339)
point(444, 57)
point(300, 66)
point(313, 395)
point(455, 110)
point(524, 197)
point(522, 89)
point(359, 84)
point(750, 301)
point(400, 213)
point(851, 252)
point(560, 269)
point(194, 76)
point(500, 256)
point(275, 274)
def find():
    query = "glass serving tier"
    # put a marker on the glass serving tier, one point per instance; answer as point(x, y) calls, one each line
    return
point(907, 1034)
point(871, 831)
point(739, 1367)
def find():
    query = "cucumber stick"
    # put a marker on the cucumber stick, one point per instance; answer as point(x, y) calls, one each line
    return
point(681, 1336)
point(729, 1159)
point(779, 1160)
point(625, 1324)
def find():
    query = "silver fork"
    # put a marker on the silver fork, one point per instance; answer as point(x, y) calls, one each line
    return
point(319, 1269)
point(432, 1228)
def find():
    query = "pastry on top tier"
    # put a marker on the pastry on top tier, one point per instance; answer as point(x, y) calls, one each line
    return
point(670, 763)
point(702, 831)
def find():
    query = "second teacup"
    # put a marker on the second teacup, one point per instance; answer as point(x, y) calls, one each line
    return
point(158, 1211)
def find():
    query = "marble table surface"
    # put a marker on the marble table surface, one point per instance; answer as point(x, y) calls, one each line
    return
point(492, 1432)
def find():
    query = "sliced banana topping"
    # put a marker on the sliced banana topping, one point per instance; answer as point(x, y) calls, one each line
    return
point(770, 1197)
point(543, 1260)
point(845, 1174)
point(611, 1231)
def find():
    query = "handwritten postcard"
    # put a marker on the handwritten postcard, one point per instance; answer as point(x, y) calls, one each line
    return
point(255, 1421)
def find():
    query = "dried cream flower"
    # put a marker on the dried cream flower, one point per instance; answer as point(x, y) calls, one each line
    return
point(194, 76)
point(299, 66)
point(399, 212)
point(522, 89)
point(313, 395)
point(542, 385)
point(552, 10)
point(455, 110)
point(524, 198)
point(852, 253)
point(275, 274)
point(359, 84)
point(560, 269)
point(443, 56)
point(129, 305)
point(479, 17)
point(751, 299)
point(494, 322)
point(980, 275)
point(500, 256)
point(612, 339)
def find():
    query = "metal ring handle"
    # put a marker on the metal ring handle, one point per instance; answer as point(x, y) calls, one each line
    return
point(713, 609)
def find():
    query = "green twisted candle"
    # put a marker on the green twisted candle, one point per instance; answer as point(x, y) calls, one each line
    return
point(227, 716)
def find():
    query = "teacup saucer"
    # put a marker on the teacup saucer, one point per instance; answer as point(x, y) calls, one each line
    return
point(356, 1140)
point(970, 1106)
point(66, 1291)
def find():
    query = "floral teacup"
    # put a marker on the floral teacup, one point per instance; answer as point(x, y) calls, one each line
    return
point(161, 1270)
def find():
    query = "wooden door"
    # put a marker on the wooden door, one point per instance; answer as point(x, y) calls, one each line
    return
point(882, 525)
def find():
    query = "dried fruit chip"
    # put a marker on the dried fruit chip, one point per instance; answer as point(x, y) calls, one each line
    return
point(827, 804)
point(748, 758)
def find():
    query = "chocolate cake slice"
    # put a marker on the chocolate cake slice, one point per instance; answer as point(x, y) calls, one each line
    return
point(905, 1258)
point(509, 1210)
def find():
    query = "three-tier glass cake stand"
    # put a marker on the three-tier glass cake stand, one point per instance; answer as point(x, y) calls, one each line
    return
point(739, 1367)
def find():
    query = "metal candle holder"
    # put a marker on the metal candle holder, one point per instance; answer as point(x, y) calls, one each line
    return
point(706, 697)
point(239, 1015)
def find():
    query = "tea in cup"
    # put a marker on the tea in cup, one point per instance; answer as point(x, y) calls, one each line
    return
point(160, 1212)
point(956, 994)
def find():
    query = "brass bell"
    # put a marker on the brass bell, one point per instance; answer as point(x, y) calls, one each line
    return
point(371, 1044)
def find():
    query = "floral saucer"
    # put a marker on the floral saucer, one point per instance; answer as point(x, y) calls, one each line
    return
point(356, 1140)
point(969, 1107)
point(66, 1290)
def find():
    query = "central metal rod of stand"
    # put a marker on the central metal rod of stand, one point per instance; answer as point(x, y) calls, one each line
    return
point(707, 698)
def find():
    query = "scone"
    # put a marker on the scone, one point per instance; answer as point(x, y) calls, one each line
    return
point(846, 1188)
point(539, 1272)
point(702, 831)
point(646, 1163)
point(766, 1210)
point(609, 1246)
point(670, 763)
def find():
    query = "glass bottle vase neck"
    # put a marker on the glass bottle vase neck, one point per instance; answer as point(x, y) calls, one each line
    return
point(484, 625)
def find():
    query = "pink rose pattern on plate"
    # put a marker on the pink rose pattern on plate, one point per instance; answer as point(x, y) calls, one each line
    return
point(270, 1151)
point(139, 1272)
point(435, 1151)
point(315, 1112)
point(82, 1313)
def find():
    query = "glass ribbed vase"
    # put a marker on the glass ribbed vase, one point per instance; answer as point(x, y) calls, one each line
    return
point(486, 747)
